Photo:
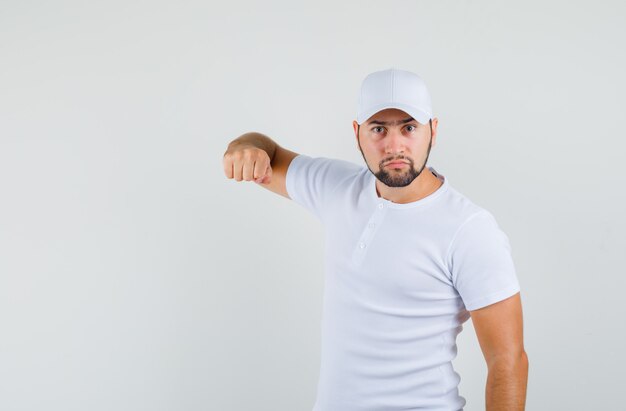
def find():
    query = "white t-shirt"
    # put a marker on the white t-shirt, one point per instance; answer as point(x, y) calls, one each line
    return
point(399, 281)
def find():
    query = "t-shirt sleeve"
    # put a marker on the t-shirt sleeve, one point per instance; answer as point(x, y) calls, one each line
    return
point(480, 262)
point(311, 180)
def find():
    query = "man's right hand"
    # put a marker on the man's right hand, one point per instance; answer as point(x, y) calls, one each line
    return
point(247, 162)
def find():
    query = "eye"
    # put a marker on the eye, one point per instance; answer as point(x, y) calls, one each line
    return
point(376, 128)
point(410, 125)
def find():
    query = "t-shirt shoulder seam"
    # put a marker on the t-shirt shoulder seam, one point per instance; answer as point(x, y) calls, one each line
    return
point(458, 230)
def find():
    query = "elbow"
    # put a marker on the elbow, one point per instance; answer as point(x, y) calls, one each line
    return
point(510, 361)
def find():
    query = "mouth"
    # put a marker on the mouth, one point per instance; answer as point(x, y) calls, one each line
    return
point(396, 164)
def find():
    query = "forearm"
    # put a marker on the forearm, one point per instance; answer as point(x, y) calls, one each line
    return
point(257, 140)
point(506, 385)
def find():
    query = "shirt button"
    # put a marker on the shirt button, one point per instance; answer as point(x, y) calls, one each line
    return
point(380, 205)
point(371, 225)
point(362, 245)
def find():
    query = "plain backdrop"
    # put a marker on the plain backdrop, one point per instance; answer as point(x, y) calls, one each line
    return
point(135, 276)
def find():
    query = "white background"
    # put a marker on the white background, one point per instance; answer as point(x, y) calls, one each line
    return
point(135, 276)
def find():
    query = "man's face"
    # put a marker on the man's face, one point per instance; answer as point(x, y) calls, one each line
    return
point(392, 135)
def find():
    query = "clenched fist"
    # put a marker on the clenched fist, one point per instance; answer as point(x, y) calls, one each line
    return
point(247, 162)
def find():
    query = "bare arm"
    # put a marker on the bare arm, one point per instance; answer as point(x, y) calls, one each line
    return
point(256, 157)
point(499, 328)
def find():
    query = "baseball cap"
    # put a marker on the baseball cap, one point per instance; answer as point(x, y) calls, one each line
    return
point(394, 88)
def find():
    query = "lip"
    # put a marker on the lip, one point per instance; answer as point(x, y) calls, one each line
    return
point(396, 163)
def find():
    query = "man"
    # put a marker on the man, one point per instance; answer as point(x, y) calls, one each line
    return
point(409, 260)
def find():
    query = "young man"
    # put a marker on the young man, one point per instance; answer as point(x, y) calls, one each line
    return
point(409, 260)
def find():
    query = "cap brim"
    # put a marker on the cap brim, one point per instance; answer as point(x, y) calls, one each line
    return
point(420, 115)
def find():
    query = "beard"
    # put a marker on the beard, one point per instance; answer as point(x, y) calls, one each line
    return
point(400, 178)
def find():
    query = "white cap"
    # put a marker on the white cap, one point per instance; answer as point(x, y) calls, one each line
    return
point(394, 88)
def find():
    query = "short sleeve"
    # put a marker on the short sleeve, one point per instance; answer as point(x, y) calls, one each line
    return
point(310, 181)
point(481, 263)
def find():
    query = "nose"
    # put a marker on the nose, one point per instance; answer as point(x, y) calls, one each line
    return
point(394, 142)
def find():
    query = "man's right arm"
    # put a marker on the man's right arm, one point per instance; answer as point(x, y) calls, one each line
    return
point(256, 157)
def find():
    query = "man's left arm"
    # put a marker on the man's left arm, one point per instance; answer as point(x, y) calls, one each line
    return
point(499, 328)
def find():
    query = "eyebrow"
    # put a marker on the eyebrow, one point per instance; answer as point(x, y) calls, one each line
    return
point(384, 123)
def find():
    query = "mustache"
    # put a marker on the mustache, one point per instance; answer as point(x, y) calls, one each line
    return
point(406, 160)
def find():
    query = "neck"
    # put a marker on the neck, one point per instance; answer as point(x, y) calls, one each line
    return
point(424, 185)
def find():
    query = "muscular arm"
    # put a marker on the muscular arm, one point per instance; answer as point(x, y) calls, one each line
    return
point(499, 328)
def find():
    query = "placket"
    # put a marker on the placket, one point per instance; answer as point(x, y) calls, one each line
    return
point(371, 227)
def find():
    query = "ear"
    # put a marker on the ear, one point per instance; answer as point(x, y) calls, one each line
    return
point(355, 125)
point(435, 123)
